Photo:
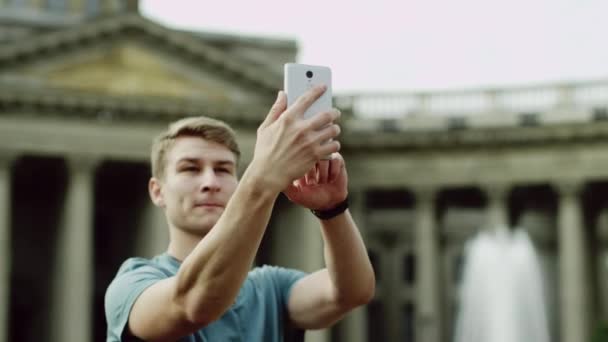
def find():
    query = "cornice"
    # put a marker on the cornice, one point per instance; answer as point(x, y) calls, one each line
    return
point(55, 102)
point(137, 108)
point(475, 138)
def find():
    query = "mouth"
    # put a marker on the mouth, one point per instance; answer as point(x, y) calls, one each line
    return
point(208, 205)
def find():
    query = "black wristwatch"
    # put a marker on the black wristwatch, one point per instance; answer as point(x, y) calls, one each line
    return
point(333, 212)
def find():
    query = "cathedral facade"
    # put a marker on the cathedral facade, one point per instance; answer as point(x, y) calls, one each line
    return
point(86, 85)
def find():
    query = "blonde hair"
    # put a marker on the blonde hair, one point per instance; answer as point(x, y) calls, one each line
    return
point(200, 126)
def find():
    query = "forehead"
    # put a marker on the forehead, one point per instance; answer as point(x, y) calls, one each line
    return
point(199, 148)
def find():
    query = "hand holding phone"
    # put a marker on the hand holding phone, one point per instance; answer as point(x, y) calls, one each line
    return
point(299, 78)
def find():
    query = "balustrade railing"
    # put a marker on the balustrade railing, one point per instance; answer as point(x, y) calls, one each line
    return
point(534, 98)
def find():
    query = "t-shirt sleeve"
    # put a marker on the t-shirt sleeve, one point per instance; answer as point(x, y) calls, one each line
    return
point(284, 279)
point(121, 295)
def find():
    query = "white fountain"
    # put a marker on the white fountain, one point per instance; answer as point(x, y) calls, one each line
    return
point(502, 295)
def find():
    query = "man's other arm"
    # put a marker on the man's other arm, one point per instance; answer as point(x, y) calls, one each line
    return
point(322, 298)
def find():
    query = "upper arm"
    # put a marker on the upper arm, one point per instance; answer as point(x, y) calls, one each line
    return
point(156, 316)
point(141, 304)
point(313, 302)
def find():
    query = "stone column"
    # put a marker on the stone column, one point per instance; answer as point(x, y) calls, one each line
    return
point(153, 232)
point(602, 270)
point(601, 233)
point(574, 320)
point(298, 244)
point(497, 209)
point(6, 162)
point(72, 299)
point(353, 327)
point(311, 250)
point(428, 314)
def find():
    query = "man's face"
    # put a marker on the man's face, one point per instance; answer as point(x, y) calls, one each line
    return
point(200, 177)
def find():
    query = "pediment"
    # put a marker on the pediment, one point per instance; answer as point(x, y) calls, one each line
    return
point(125, 69)
point(134, 57)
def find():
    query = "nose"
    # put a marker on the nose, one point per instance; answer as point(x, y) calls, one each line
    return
point(209, 182)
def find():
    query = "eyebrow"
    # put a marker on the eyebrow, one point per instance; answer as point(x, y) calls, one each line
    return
point(197, 160)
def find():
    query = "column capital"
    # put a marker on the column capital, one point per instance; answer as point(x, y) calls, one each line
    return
point(7, 158)
point(424, 193)
point(497, 205)
point(81, 162)
point(496, 190)
point(568, 187)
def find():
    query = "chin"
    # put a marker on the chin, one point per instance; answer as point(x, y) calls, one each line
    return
point(196, 229)
point(203, 225)
point(198, 223)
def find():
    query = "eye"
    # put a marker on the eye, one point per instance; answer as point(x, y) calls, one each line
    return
point(222, 170)
point(190, 168)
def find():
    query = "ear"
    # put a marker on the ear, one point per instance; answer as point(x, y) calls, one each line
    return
point(155, 191)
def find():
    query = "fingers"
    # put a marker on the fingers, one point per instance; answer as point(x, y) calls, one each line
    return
point(327, 133)
point(335, 167)
point(328, 148)
point(322, 119)
point(306, 100)
point(325, 171)
point(318, 174)
point(322, 171)
point(279, 106)
point(292, 188)
point(311, 175)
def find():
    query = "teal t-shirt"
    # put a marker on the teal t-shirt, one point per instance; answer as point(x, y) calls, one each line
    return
point(256, 315)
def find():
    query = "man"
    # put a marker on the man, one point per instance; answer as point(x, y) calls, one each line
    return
point(202, 288)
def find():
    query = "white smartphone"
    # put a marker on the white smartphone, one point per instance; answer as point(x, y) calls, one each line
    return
point(301, 77)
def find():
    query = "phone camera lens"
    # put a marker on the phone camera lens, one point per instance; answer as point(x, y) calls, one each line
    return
point(309, 74)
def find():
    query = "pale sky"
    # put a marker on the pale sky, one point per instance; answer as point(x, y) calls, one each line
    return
point(410, 45)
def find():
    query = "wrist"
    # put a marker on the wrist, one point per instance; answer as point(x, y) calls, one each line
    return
point(328, 214)
point(259, 184)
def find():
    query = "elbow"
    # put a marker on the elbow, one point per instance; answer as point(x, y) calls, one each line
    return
point(202, 310)
point(199, 307)
point(363, 294)
point(200, 318)
point(368, 292)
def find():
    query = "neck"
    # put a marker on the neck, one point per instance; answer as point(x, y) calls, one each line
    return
point(182, 242)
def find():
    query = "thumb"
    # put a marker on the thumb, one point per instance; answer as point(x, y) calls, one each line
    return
point(279, 106)
point(292, 190)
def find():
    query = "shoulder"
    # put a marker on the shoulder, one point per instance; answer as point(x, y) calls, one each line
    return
point(132, 278)
point(135, 272)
